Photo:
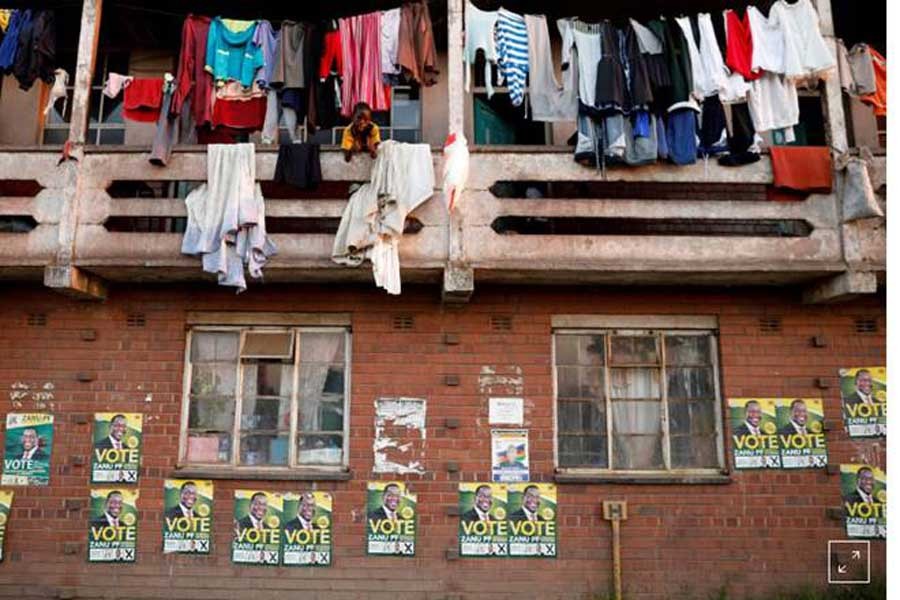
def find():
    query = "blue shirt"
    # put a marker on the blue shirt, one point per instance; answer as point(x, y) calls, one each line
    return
point(10, 44)
point(232, 55)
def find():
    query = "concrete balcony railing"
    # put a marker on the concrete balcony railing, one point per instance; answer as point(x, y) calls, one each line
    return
point(530, 215)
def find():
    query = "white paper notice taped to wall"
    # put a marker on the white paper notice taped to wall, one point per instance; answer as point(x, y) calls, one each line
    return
point(506, 411)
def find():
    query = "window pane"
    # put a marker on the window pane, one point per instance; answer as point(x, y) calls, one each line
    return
point(697, 417)
point(214, 413)
point(112, 137)
point(209, 346)
point(567, 349)
point(268, 378)
point(264, 449)
point(634, 350)
point(637, 452)
point(694, 452)
point(327, 347)
point(582, 417)
point(266, 413)
point(269, 343)
point(580, 382)
point(634, 383)
point(210, 379)
point(321, 397)
point(582, 451)
point(637, 417)
point(209, 447)
point(687, 349)
point(690, 382)
point(56, 136)
point(320, 449)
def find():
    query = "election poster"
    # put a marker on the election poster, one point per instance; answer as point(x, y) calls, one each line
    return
point(509, 455)
point(187, 516)
point(483, 528)
point(532, 520)
point(754, 433)
point(864, 490)
point(864, 401)
point(801, 433)
point(29, 438)
point(390, 519)
point(6, 499)
point(116, 455)
point(112, 535)
point(257, 528)
point(306, 538)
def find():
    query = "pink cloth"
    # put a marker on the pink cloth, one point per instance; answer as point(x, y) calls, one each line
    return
point(361, 73)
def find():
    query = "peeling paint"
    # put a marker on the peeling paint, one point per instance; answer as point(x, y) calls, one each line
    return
point(41, 394)
point(503, 380)
point(405, 418)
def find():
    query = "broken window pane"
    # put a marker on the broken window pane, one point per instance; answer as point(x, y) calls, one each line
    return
point(264, 449)
point(690, 382)
point(634, 383)
point(688, 349)
point(634, 350)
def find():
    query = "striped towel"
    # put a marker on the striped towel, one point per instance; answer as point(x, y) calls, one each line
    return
point(512, 53)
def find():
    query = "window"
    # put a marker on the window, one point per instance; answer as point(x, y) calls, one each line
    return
point(637, 400)
point(402, 123)
point(106, 123)
point(266, 397)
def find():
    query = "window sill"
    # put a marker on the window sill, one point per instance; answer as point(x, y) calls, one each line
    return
point(249, 473)
point(643, 479)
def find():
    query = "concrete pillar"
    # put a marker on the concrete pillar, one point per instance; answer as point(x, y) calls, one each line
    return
point(832, 97)
point(84, 71)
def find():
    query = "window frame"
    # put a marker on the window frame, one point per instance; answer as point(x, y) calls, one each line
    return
point(605, 326)
point(234, 467)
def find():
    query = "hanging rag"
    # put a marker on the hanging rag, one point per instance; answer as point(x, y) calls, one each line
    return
point(193, 83)
point(878, 99)
point(512, 54)
point(143, 99)
point(361, 64)
point(232, 54)
point(857, 194)
point(416, 52)
point(166, 126)
point(58, 90)
point(549, 100)
point(402, 179)
point(9, 47)
point(226, 222)
point(36, 55)
point(299, 165)
point(390, 39)
point(455, 169)
point(479, 35)
point(115, 83)
point(802, 168)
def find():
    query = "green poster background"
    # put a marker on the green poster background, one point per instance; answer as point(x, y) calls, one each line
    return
point(37, 470)
point(750, 451)
point(542, 540)
point(313, 554)
point(262, 550)
point(391, 545)
point(802, 452)
point(197, 538)
point(115, 466)
point(108, 544)
point(6, 499)
point(870, 421)
point(862, 520)
point(483, 540)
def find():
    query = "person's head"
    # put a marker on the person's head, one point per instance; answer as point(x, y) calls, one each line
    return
point(484, 497)
point(259, 504)
point(188, 494)
point(307, 506)
point(511, 453)
point(29, 439)
point(114, 504)
point(798, 412)
point(531, 498)
point(117, 426)
point(865, 480)
point(864, 381)
point(362, 115)
point(753, 412)
point(391, 496)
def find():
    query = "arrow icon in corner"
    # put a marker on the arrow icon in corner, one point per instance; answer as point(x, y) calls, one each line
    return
point(856, 555)
point(842, 569)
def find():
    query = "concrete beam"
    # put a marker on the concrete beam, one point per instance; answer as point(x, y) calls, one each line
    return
point(459, 284)
point(841, 288)
point(75, 283)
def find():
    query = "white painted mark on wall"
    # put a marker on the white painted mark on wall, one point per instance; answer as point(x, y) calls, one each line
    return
point(399, 444)
point(503, 380)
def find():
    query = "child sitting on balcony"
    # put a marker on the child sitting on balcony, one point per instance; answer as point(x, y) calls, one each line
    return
point(362, 135)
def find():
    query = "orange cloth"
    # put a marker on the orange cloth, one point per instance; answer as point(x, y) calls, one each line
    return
point(878, 100)
point(802, 168)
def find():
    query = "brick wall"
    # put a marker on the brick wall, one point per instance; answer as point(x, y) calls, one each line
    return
point(760, 532)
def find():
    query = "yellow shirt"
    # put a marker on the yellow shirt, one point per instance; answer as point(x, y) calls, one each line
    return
point(348, 142)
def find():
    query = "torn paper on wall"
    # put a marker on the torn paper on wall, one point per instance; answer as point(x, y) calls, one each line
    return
point(503, 380)
point(399, 435)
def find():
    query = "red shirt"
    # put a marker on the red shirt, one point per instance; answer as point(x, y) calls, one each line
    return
point(739, 51)
point(143, 98)
point(192, 77)
point(240, 114)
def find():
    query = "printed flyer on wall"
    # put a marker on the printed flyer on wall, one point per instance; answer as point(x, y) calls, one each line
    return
point(483, 528)
point(864, 401)
point(257, 528)
point(112, 530)
point(864, 489)
point(187, 516)
point(390, 519)
point(754, 433)
point(116, 456)
point(532, 520)
point(29, 439)
point(801, 433)
point(6, 499)
point(306, 539)
point(509, 455)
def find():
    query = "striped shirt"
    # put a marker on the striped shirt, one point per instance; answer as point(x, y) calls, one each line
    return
point(512, 53)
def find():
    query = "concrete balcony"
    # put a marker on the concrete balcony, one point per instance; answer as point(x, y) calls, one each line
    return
point(530, 215)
